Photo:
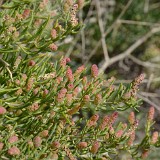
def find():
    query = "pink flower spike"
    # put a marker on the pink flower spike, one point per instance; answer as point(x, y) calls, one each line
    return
point(94, 70)
point(14, 151)
point(13, 139)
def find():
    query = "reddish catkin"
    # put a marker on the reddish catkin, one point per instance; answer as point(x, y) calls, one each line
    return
point(31, 63)
point(63, 62)
point(69, 153)
point(35, 91)
point(111, 130)
point(84, 80)
point(29, 84)
point(131, 138)
point(145, 154)
point(94, 118)
point(79, 70)
point(151, 114)
point(1, 145)
point(17, 82)
point(69, 2)
point(104, 122)
point(74, 110)
point(127, 95)
point(14, 151)
point(34, 107)
point(53, 47)
point(94, 70)
point(97, 99)
point(69, 74)
point(113, 117)
point(68, 60)
point(53, 33)
point(82, 145)
point(74, 20)
point(80, 3)
point(45, 92)
point(119, 134)
point(26, 13)
point(44, 133)
point(19, 91)
point(92, 121)
point(75, 91)
point(55, 144)
point(30, 143)
point(24, 77)
point(95, 147)
point(61, 94)
point(37, 141)
point(86, 98)
point(13, 139)
point(2, 110)
point(131, 118)
point(154, 137)
point(59, 79)
point(135, 84)
point(69, 97)
point(70, 86)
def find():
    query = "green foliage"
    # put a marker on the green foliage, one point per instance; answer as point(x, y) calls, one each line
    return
point(47, 111)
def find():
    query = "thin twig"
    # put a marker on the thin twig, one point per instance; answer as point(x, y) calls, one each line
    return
point(131, 22)
point(101, 27)
point(144, 64)
point(146, 6)
point(131, 48)
point(148, 94)
point(149, 102)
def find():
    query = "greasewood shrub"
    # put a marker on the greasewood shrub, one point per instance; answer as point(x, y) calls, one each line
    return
point(47, 111)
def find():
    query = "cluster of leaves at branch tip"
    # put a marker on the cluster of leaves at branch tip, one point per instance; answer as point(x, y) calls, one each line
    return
point(50, 111)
